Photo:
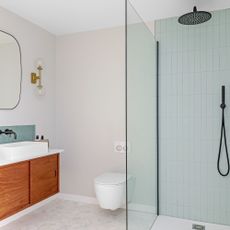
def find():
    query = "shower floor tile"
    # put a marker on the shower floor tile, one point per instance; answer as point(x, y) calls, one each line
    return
point(171, 223)
point(140, 220)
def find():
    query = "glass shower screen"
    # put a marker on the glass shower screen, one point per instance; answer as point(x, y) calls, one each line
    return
point(141, 123)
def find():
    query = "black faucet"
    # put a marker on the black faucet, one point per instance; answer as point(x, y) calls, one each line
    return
point(9, 132)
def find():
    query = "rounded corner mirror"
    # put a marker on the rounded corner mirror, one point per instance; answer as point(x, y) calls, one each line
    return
point(10, 71)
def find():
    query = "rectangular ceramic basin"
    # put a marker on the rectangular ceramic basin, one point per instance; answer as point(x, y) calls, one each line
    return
point(22, 149)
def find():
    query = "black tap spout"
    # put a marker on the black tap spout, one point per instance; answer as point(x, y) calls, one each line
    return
point(9, 132)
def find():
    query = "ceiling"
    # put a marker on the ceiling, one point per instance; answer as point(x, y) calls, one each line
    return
point(65, 17)
point(68, 16)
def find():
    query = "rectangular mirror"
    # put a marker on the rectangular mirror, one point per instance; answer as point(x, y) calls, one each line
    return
point(10, 71)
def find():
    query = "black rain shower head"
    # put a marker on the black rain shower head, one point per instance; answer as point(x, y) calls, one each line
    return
point(195, 17)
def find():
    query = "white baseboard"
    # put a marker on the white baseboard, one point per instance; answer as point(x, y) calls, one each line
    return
point(78, 198)
point(27, 211)
point(142, 208)
point(93, 200)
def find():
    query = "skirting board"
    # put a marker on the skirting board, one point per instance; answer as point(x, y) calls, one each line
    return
point(78, 198)
point(93, 200)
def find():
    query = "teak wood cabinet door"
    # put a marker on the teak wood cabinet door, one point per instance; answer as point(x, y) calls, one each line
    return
point(43, 177)
point(14, 188)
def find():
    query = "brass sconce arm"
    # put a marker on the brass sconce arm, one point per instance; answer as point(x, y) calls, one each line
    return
point(37, 78)
point(34, 78)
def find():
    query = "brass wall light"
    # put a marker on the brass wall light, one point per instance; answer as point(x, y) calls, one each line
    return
point(37, 79)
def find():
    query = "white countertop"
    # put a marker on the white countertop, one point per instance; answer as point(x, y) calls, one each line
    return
point(29, 157)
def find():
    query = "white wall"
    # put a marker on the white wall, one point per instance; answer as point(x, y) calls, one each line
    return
point(35, 42)
point(90, 96)
point(90, 112)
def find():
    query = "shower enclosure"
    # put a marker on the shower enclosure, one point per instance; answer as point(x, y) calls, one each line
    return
point(175, 86)
point(142, 205)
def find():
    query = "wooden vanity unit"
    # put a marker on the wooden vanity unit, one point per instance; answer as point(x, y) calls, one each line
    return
point(28, 182)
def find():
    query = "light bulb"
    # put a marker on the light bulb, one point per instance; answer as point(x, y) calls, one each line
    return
point(39, 62)
point(40, 90)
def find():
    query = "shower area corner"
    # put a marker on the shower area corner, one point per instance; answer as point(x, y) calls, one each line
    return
point(177, 120)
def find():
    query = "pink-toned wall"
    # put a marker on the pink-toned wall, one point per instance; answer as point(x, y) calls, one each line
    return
point(35, 43)
point(90, 108)
point(84, 76)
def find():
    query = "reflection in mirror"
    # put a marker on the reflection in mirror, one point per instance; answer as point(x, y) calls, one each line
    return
point(10, 71)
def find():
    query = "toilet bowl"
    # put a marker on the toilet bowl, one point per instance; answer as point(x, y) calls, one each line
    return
point(110, 190)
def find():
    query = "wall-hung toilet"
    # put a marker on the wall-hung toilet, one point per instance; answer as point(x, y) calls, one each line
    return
point(110, 190)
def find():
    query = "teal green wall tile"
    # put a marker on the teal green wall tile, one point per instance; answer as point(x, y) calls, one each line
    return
point(194, 63)
point(24, 133)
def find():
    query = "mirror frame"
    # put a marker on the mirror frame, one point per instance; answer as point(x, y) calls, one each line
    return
point(20, 83)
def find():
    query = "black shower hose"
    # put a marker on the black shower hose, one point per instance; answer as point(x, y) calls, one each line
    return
point(223, 135)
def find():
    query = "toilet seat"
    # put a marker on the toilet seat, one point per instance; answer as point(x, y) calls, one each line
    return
point(111, 179)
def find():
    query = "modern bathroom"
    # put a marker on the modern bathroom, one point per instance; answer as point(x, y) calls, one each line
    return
point(114, 115)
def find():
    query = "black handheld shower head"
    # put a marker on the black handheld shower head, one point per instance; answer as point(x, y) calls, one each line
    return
point(223, 137)
point(223, 94)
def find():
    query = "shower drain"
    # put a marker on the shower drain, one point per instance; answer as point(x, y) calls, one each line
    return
point(198, 227)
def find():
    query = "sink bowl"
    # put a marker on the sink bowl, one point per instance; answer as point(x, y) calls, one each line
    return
point(22, 149)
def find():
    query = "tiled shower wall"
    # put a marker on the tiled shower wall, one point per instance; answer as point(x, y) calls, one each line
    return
point(194, 63)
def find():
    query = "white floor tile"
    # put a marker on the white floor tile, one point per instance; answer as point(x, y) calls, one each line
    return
point(70, 215)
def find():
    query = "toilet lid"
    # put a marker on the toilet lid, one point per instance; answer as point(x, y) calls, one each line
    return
point(111, 178)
